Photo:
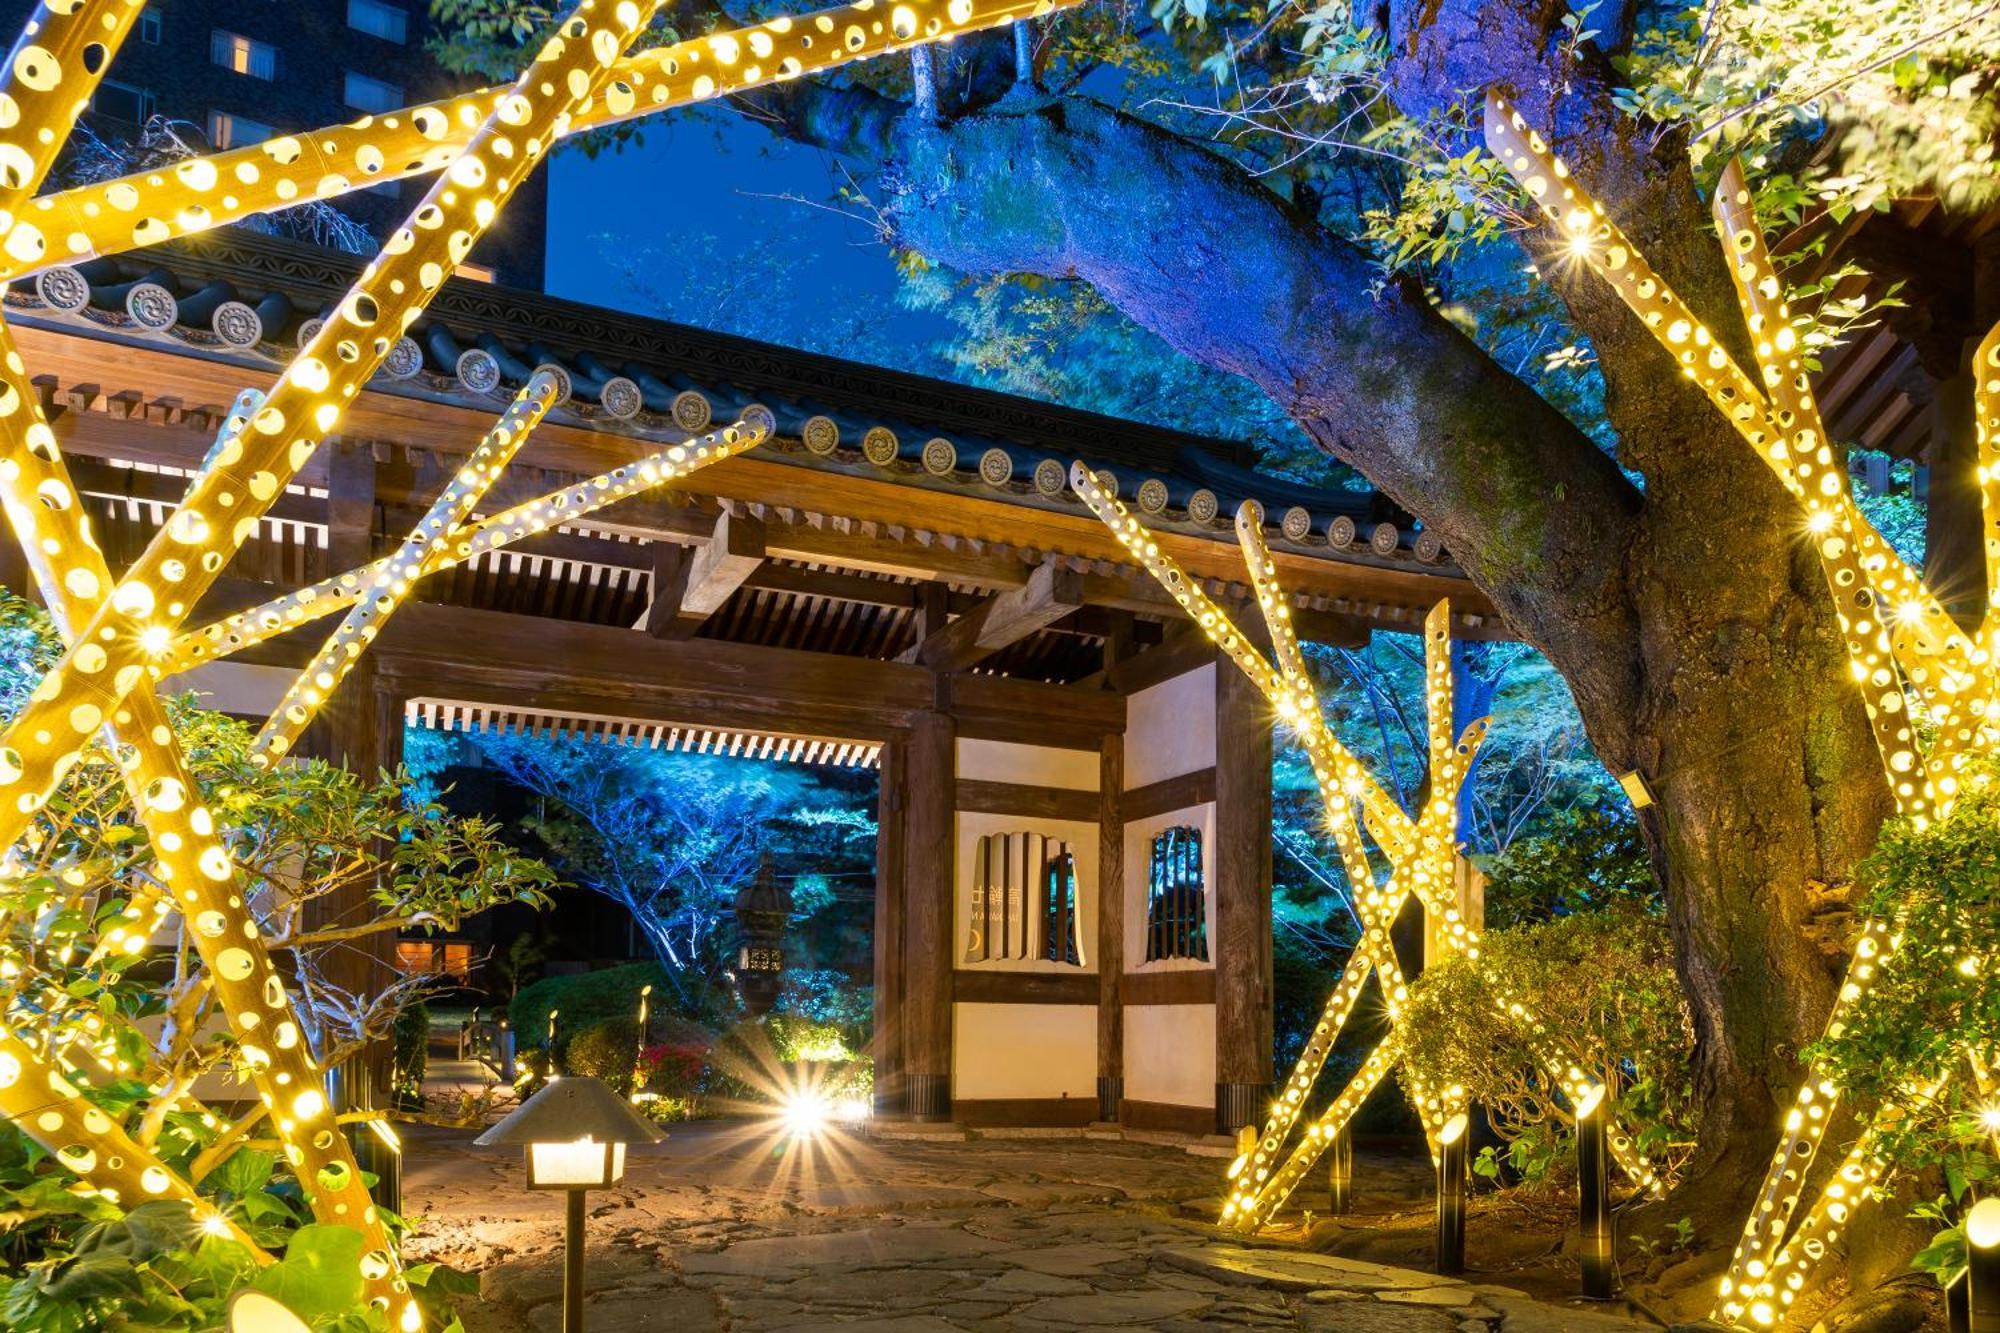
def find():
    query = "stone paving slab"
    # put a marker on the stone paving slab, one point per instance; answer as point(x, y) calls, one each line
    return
point(725, 1229)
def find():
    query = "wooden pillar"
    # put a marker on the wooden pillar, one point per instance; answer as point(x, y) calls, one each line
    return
point(1242, 864)
point(1954, 546)
point(350, 505)
point(1110, 926)
point(889, 913)
point(930, 768)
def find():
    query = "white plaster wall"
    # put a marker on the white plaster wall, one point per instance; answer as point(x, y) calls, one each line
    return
point(1139, 835)
point(1170, 728)
point(1024, 1050)
point(1083, 844)
point(1170, 1053)
point(234, 687)
point(1028, 765)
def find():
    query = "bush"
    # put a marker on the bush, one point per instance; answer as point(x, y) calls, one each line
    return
point(1586, 858)
point(675, 1070)
point(586, 1000)
point(1602, 985)
point(608, 1051)
point(1934, 999)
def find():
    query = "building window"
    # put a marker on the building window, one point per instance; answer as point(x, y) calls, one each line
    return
point(1059, 909)
point(388, 22)
point(435, 957)
point(121, 101)
point(149, 27)
point(1176, 903)
point(234, 51)
point(1023, 900)
point(372, 95)
point(229, 130)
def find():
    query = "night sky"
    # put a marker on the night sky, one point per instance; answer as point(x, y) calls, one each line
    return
point(703, 179)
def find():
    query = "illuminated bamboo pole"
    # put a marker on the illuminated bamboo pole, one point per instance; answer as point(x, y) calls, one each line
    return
point(193, 863)
point(1889, 620)
point(181, 830)
point(1257, 1188)
point(1775, 344)
point(1860, 590)
point(398, 575)
point(54, 65)
point(245, 477)
point(259, 624)
point(146, 207)
point(1594, 240)
point(47, 1107)
point(1770, 1290)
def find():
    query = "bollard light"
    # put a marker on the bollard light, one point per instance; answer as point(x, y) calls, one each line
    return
point(574, 1132)
point(639, 1055)
point(1451, 1173)
point(1593, 1196)
point(1340, 1171)
point(1982, 1267)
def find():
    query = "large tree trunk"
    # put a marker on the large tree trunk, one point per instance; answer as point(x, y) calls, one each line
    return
point(1689, 619)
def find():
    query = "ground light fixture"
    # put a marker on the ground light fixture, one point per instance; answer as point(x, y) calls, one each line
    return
point(574, 1131)
point(1593, 1197)
point(1452, 1173)
point(1982, 1267)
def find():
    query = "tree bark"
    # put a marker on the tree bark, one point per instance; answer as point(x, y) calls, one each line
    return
point(1689, 619)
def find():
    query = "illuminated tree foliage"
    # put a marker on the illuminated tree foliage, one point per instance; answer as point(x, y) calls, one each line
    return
point(147, 1027)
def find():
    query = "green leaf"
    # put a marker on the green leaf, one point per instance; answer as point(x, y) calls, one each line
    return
point(320, 1275)
point(246, 1172)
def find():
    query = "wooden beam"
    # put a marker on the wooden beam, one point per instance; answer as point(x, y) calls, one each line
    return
point(1054, 591)
point(1110, 925)
point(670, 576)
point(883, 518)
point(732, 553)
point(976, 796)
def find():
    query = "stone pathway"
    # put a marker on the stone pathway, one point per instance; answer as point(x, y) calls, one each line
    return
point(727, 1227)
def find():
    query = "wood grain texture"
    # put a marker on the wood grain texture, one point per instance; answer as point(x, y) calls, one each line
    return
point(977, 796)
point(1242, 892)
point(1182, 985)
point(992, 986)
point(1110, 907)
point(1175, 793)
point(927, 897)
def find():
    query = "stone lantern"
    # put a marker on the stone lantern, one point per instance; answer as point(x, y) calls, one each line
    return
point(763, 908)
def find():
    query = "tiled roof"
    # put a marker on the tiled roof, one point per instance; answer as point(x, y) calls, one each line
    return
point(251, 299)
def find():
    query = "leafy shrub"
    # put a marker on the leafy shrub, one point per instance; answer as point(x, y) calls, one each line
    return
point(1584, 858)
point(1603, 986)
point(607, 1051)
point(585, 1000)
point(298, 831)
point(1935, 998)
point(675, 1069)
point(794, 1038)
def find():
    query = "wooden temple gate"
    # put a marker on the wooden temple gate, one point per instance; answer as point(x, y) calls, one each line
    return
point(892, 580)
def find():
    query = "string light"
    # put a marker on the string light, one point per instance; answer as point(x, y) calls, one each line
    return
point(1910, 659)
point(1422, 855)
point(120, 630)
